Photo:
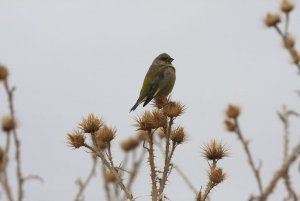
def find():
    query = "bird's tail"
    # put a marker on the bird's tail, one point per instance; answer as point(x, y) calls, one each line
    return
point(135, 106)
point(139, 101)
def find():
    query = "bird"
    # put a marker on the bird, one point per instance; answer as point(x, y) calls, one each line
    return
point(159, 80)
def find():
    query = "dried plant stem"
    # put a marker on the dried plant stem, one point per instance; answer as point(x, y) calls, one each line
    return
point(168, 157)
point(34, 177)
point(284, 37)
point(6, 187)
point(117, 192)
point(286, 139)
point(7, 146)
point(110, 155)
point(125, 161)
point(83, 186)
point(287, 20)
point(210, 185)
point(279, 31)
point(152, 167)
point(186, 179)
point(281, 172)
point(135, 169)
point(105, 184)
point(20, 178)
point(202, 197)
point(284, 116)
point(3, 170)
point(181, 173)
point(287, 182)
point(4, 175)
point(248, 153)
point(171, 153)
point(112, 169)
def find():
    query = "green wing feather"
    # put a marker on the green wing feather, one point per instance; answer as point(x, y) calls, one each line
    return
point(150, 85)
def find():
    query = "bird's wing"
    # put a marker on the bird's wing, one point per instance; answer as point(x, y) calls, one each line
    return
point(153, 90)
point(154, 87)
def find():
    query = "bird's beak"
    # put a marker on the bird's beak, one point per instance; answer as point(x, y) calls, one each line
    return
point(171, 59)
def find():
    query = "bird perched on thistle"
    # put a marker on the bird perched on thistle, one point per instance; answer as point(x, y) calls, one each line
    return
point(159, 80)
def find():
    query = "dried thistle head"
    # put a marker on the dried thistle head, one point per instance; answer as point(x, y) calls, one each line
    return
point(178, 136)
point(76, 139)
point(91, 124)
point(8, 124)
point(286, 6)
point(160, 102)
point(289, 41)
point(173, 109)
point(272, 19)
point(216, 175)
point(129, 144)
point(3, 72)
point(214, 150)
point(99, 143)
point(159, 119)
point(151, 120)
point(106, 134)
point(232, 111)
point(230, 125)
point(109, 177)
point(144, 122)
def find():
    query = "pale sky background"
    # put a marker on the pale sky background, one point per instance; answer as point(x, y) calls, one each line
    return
point(70, 58)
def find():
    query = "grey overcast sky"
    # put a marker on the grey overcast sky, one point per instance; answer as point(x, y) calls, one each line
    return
point(69, 58)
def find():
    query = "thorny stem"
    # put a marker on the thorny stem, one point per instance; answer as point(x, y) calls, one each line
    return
point(7, 146)
point(86, 182)
point(181, 173)
point(112, 169)
point(202, 197)
point(284, 36)
point(3, 168)
point(287, 182)
point(135, 169)
point(106, 186)
point(16, 141)
point(110, 155)
point(280, 173)
point(279, 31)
point(6, 186)
point(34, 177)
point(214, 164)
point(210, 185)
point(286, 139)
point(248, 153)
point(172, 152)
point(287, 20)
point(284, 118)
point(185, 179)
point(152, 167)
point(167, 158)
point(125, 161)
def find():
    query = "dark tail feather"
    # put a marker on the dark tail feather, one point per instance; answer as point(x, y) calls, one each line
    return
point(149, 98)
point(135, 106)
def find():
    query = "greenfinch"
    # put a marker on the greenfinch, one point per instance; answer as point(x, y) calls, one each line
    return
point(159, 80)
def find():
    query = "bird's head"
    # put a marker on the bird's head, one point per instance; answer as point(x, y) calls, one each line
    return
point(162, 59)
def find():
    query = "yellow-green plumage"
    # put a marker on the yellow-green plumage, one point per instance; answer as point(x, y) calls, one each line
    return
point(159, 80)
